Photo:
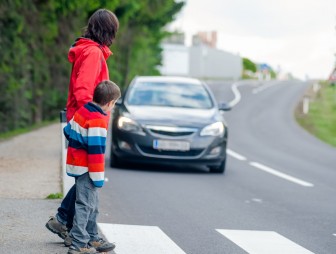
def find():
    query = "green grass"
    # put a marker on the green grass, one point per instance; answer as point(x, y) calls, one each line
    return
point(321, 119)
point(55, 196)
point(10, 134)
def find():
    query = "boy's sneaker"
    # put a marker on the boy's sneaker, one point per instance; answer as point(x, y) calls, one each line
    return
point(84, 250)
point(57, 228)
point(101, 245)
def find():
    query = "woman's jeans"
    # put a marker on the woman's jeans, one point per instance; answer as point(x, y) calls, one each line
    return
point(66, 211)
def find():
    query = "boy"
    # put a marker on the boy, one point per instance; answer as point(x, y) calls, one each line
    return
point(86, 133)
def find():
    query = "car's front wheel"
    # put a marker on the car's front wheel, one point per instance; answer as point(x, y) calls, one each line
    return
point(218, 169)
point(114, 161)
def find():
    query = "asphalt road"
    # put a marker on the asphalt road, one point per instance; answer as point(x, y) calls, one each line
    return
point(277, 195)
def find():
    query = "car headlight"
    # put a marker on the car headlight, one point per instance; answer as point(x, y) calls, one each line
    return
point(215, 129)
point(127, 124)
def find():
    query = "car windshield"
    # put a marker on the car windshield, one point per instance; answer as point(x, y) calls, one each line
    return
point(169, 95)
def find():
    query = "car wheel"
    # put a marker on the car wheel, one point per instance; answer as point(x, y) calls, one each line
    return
point(114, 161)
point(218, 169)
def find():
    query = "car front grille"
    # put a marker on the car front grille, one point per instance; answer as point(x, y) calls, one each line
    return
point(155, 152)
point(173, 134)
point(170, 130)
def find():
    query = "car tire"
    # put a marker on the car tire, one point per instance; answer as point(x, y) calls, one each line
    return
point(218, 169)
point(114, 161)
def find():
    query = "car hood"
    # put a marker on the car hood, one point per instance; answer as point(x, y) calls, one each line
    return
point(170, 116)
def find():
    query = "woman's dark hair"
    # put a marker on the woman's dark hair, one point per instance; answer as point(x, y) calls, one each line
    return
point(102, 27)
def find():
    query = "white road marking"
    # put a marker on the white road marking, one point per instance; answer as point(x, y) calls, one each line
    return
point(334, 234)
point(263, 242)
point(257, 200)
point(131, 239)
point(262, 88)
point(281, 175)
point(235, 155)
point(237, 95)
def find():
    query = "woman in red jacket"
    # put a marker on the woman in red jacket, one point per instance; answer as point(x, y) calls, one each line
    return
point(88, 56)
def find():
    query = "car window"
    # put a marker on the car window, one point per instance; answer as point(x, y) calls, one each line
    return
point(169, 95)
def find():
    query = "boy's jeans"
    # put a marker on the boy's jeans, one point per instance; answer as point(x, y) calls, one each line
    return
point(66, 211)
point(86, 211)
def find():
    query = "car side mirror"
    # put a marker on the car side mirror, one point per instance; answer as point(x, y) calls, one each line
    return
point(119, 101)
point(224, 107)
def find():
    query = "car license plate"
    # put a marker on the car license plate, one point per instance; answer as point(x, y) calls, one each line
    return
point(171, 145)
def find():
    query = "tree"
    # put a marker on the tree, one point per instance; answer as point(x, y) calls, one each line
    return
point(35, 38)
point(249, 65)
point(138, 49)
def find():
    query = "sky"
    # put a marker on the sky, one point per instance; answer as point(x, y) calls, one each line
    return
point(296, 36)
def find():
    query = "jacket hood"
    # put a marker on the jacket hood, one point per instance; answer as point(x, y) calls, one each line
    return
point(81, 44)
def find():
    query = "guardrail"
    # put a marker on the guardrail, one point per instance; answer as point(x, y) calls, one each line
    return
point(67, 181)
point(309, 97)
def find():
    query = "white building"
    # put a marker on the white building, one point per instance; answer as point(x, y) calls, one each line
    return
point(175, 60)
point(200, 61)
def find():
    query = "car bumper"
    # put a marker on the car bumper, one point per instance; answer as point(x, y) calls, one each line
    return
point(210, 151)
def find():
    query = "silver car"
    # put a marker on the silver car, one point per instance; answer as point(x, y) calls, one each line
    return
point(169, 120)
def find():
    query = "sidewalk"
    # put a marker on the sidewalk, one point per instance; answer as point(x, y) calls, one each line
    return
point(30, 170)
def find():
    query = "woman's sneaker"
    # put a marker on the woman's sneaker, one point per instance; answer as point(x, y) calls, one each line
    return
point(67, 241)
point(84, 250)
point(101, 245)
point(57, 228)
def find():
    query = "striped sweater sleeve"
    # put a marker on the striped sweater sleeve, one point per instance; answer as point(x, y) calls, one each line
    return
point(97, 132)
point(66, 131)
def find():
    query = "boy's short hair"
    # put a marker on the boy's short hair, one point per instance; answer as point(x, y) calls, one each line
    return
point(105, 92)
point(102, 27)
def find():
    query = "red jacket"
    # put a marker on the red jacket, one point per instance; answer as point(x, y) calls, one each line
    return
point(89, 68)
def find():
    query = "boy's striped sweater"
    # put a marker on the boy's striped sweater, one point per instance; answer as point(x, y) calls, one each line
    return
point(86, 133)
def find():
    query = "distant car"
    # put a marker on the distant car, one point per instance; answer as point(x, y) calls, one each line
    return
point(169, 120)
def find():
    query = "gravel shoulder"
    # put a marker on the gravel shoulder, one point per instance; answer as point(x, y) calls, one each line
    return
point(30, 164)
point(30, 169)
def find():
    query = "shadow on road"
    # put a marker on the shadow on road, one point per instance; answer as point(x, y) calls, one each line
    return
point(155, 168)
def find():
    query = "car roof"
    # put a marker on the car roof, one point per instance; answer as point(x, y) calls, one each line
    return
point(168, 79)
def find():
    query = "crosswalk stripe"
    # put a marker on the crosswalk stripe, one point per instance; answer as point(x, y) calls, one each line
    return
point(263, 242)
point(131, 239)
